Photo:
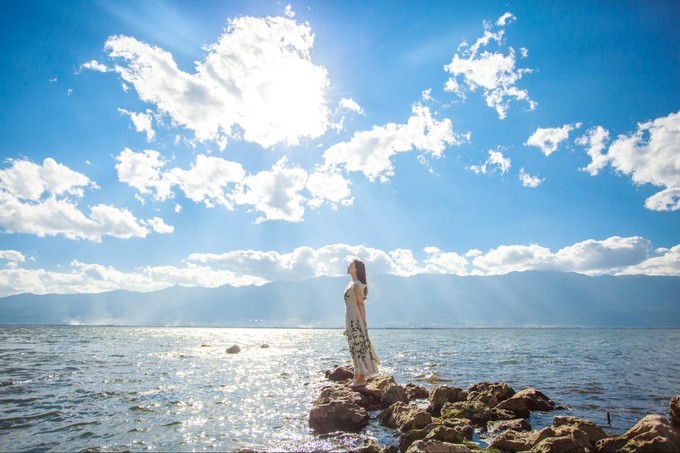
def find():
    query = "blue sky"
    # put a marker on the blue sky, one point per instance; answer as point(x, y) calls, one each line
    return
point(147, 144)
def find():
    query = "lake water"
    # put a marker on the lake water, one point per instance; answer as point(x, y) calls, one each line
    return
point(132, 388)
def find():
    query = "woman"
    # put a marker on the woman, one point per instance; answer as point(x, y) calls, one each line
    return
point(364, 358)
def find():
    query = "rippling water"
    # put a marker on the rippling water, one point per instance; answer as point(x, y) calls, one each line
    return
point(117, 388)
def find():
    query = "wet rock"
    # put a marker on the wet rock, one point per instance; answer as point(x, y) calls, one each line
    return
point(394, 393)
point(445, 434)
point(651, 434)
point(339, 374)
point(206, 345)
point(430, 446)
point(381, 382)
point(442, 395)
point(485, 398)
point(512, 440)
point(416, 392)
point(478, 413)
point(367, 446)
point(560, 445)
point(517, 424)
point(235, 349)
point(502, 414)
point(463, 425)
point(674, 411)
point(527, 400)
point(591, 431)
point(336, 409)
point(413, 435)
point(370, 399)
point(404, 417)
point(264, 346)
point(565, 434)
point(498, 390)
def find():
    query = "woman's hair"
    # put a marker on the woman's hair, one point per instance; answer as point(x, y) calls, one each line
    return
point(361, 274)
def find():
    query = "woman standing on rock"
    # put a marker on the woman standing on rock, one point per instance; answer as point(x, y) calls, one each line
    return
point(364, 358)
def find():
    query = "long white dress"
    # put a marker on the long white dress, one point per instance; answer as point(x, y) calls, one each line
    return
point(364, 358)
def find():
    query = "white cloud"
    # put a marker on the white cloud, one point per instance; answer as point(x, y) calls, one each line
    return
point(275, 193)
point(159, 226)
point(143, 172)
point(96, 278)
point(529, 180)
point(662, 262)
point(289, 11)
point(590, 257)
point(495, 162)
point(595, 139)
point(257, 82)
point(29, 181)
point(441, 262)
point(281, 193)
point(12, 257)
point(494, 72)
point(207, 179)
point(651, 155)
point(548, 139)
point(328, 187)
point(303, 262)
point(142, 122)
point(351, 105)
point(615, 255)
point(371, 152)
point(35, 199)
point(505, 19)
point(94, 65)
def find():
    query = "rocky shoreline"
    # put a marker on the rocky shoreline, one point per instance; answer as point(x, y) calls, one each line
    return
point(446, 418)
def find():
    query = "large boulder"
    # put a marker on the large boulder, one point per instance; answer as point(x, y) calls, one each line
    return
point(463, 425)
point(370, 399)
point(381, 382)
point(490, 393)
point(560, 444)
point(436, 446)
point(651, 434)
point(445, 434)
point(512, 440)
point(405, 417)
point(565, 434)
point(591, 431)
point(527, 400)
point(442, 395)
point(336, 409)
point(234, 349)
point(339, 374)
point(394, 393)
point(478, 413)
point(674, 411)
point(416, 392)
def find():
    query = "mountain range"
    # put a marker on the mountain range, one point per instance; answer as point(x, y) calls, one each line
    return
point(522, 299)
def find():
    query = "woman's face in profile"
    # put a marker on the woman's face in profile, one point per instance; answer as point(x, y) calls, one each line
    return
point(350, 267)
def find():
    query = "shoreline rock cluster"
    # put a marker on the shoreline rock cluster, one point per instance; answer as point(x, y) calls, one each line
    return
point(446, 418)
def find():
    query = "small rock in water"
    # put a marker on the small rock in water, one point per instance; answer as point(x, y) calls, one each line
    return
point(264, 346)
point(235, 349)
point(205, 345)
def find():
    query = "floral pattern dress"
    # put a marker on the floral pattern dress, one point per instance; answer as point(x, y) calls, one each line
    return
point(364, 358)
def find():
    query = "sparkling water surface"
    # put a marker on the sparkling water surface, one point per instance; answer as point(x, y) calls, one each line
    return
point(176, 389)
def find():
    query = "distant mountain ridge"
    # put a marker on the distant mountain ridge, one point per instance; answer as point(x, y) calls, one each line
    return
point(523, 299)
